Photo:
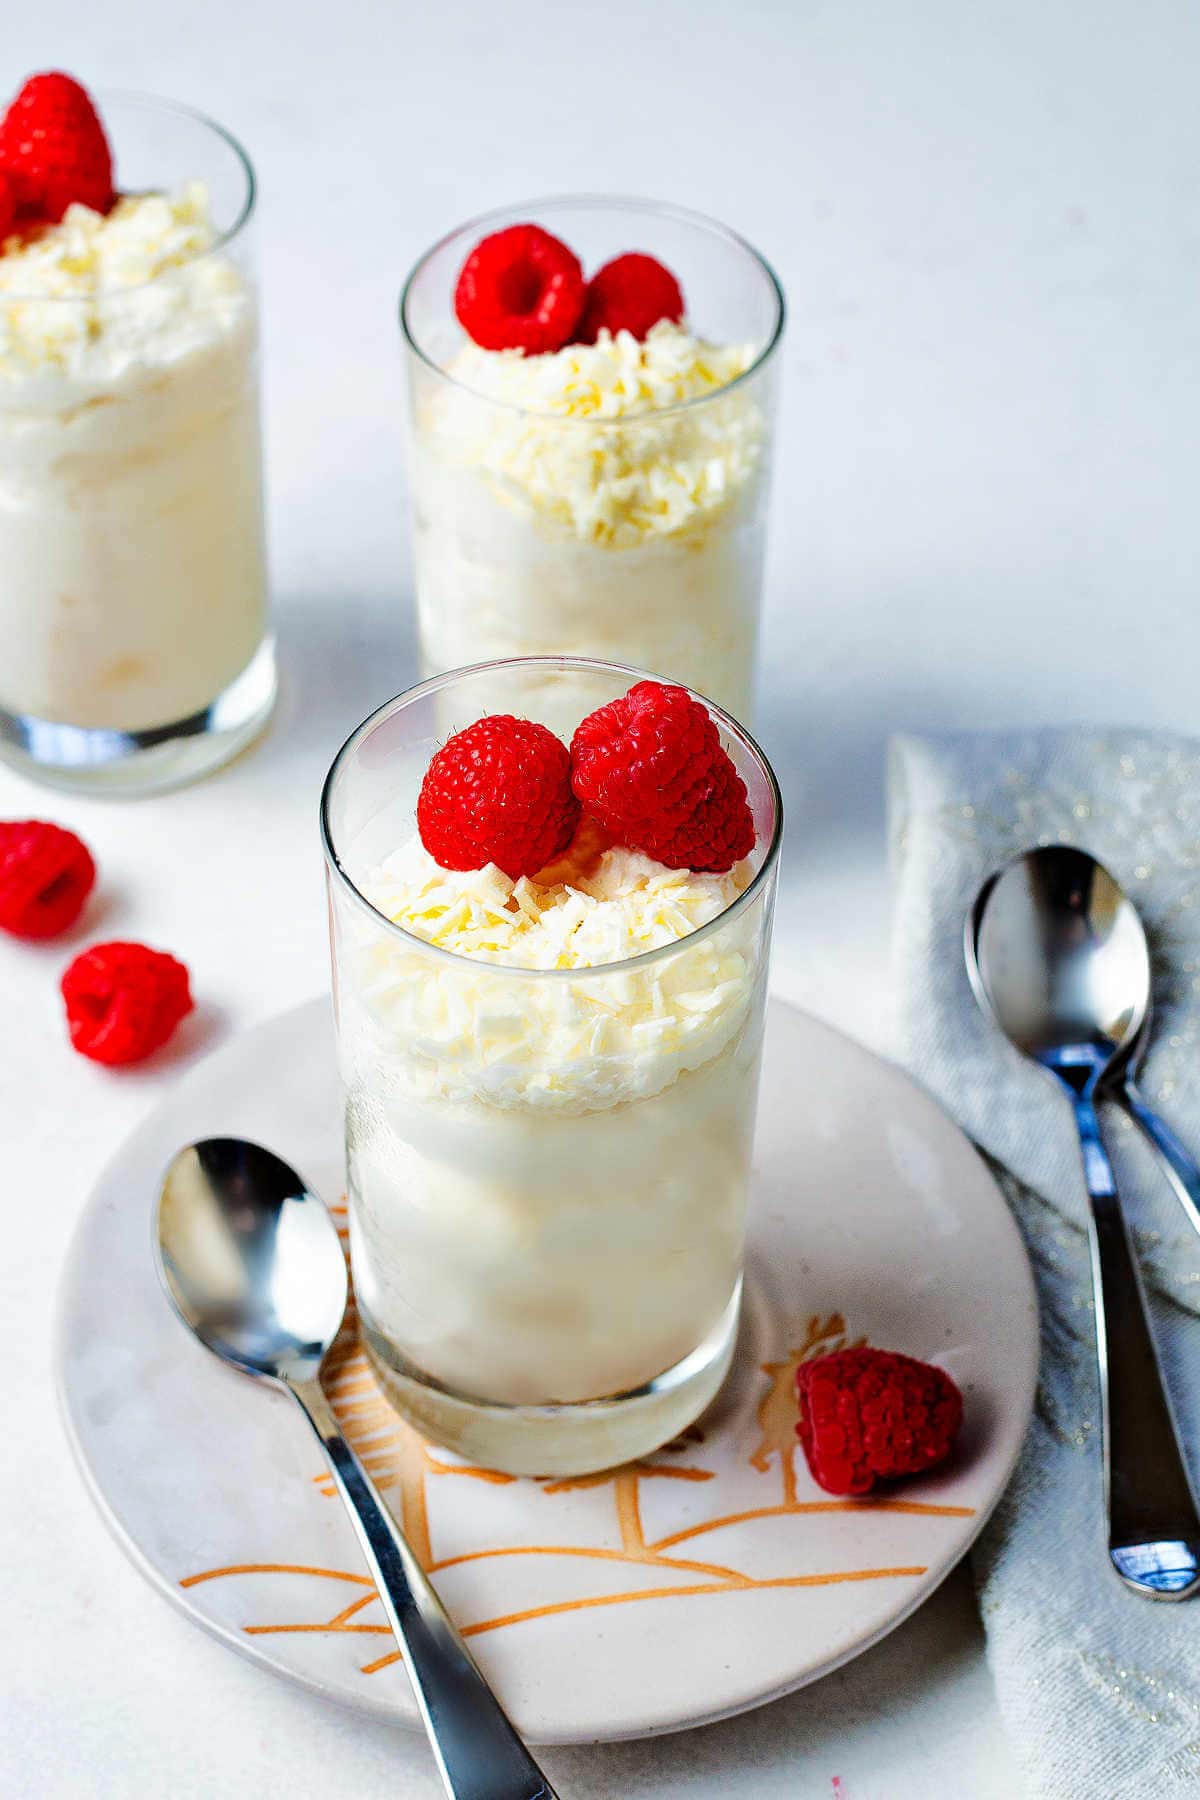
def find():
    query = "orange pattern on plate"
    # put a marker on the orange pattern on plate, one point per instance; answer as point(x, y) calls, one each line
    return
point(398, 1459)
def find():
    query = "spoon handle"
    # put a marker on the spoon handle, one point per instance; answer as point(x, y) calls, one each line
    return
point(479, 1755)
point(1178, 1163)
point(1153, 1525)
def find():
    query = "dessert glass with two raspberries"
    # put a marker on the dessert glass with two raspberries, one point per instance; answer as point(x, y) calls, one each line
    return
point(133, 606)
point(550, 962)
point(592, 396)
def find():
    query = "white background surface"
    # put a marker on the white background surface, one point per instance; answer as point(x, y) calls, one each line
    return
point(986, 220)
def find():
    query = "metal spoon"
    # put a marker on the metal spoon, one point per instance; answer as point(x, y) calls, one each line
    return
point(1176, 1161)
point(251, 1259)
point(1057, 956)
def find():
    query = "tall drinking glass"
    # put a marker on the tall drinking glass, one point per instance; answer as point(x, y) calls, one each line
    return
point(607, 502)
point(133, 587)
point(548, 1168)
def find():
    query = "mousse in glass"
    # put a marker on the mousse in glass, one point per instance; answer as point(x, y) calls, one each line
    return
point(550, 973)
point(133, 591)
point(592, 388)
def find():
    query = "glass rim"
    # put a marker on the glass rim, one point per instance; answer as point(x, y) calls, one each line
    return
point(107, 97)
point(338, 872)
point(483, 222)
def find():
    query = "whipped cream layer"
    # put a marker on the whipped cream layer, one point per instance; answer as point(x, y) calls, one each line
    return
point(472, 1029)
point(100, 294)
point(606, 441)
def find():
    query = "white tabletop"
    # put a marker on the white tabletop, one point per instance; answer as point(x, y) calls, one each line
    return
point(986, 222)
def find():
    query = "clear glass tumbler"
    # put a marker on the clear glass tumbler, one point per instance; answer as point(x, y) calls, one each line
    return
point(133, 585)
point(563, 527)
point(548, 1168)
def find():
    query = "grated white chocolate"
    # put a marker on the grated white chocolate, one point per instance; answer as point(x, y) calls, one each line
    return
point(99, 294)
point(607, 440)
point(471, 1029)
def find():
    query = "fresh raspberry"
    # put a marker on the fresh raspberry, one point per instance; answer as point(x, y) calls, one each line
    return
point(630, 293)
point(53, 146)
point(123, 1001)
point(498, 792)
point(871, 1415)
point(716, 835)
point(8, 205)
point(46, 874)
point(650, 767)
point(520, 289)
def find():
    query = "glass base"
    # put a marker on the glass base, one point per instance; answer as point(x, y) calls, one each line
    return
point(565, 1439)
point(93, 760)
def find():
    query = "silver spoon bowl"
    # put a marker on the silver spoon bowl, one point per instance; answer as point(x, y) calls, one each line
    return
point(1058, 958)
point(251, 1260)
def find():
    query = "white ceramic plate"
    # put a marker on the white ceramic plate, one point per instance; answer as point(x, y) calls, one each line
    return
point(712, 1577)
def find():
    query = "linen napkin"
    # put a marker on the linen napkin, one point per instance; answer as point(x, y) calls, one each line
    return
point(1099, 1689)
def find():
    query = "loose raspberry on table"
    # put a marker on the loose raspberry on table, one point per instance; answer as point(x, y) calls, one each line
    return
point(53, 148)
point(498, 792)
point(873, 1415)
point(650, 767)
point(631, 293)
point(520, 289)
point(124, 1001)
point(46, 874)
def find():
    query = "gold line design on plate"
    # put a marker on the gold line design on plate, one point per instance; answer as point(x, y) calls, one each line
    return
point(398, 1458)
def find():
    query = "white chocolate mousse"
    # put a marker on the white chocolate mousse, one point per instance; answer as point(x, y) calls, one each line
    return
point(550, 1099)
point(603, 500)
point(131, 530)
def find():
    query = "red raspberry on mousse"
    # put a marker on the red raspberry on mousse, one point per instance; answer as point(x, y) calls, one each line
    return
point(498, 792)
point(123, 1001)
point(631, 293)
point(873, 1415)
point(651, 768)
point(717, 833)
point(9, 205)
point(520, 289)
point(46, 874)
point(53, 149)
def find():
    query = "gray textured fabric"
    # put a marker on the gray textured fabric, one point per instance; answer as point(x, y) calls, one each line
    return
point(1099, 1689)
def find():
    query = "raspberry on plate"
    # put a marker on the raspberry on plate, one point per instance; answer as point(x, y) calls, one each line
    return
point(630, 293)
point(123, 1001)
point(520, 289)
point(46, 874)
point(498, 792)
point(651, 768)
point(53, 147)
point(872, 1415)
